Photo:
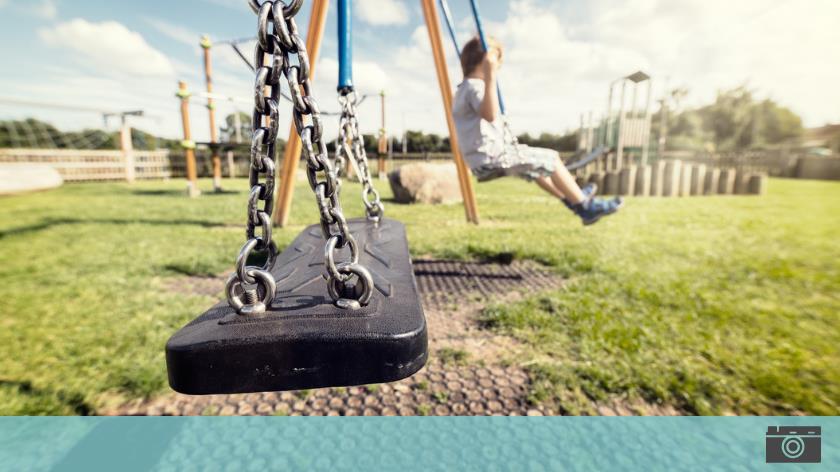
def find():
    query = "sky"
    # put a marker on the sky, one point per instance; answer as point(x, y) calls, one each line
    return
point(560, 57)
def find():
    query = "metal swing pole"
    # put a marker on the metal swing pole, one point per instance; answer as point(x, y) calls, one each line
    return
point(433, 27)
point(345, 48)
point(345, 65)
point(291, 155)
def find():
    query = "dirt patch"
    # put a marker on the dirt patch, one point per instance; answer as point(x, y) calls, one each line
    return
point(464, 376)
point(438, 389)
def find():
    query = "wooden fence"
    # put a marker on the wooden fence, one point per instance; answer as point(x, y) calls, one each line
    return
point(84, 166)
point(76, 165)
point(773, 163)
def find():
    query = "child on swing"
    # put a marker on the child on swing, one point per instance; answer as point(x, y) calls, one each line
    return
point(482, 141)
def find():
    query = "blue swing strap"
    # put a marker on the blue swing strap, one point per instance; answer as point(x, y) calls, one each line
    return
point(345, 48)
point(450, 25)
point(480, 27)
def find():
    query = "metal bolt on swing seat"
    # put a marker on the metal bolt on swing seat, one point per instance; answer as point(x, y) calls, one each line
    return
point(253, 305)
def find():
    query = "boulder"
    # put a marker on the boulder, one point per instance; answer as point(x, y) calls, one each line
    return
point(19, 178)
point(425, 183)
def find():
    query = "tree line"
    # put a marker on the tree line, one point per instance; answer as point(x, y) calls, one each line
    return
point(736, 120)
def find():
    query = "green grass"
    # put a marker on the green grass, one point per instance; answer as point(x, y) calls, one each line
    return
point(448, 355)
point(712, 304)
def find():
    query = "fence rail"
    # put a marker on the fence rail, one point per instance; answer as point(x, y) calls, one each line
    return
point(92, 165)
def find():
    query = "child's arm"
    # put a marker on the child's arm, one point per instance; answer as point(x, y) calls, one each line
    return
point(490, 103)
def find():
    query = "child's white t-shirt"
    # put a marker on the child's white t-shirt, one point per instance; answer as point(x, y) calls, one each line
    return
point(481, 142)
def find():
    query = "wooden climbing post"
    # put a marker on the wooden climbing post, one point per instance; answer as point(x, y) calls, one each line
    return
point(383, 139)
point(433, 26)
point(211, 108)
point(291, 156)
point(188, 144)
point(127, 149)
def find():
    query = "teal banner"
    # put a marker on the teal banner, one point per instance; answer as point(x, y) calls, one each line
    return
point(428, 444)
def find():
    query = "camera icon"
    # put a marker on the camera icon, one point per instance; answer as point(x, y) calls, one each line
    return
point(801, 444)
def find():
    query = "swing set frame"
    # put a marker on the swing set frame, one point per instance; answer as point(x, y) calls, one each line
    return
point(314, 37)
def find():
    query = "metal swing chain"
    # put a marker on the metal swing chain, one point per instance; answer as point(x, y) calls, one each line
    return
point(278, 36)
point(348, 130)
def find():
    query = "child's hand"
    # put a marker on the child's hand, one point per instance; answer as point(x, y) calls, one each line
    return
point(492, 60)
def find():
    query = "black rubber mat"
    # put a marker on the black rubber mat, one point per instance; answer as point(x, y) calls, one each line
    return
point(445, 281)
point(305, 341)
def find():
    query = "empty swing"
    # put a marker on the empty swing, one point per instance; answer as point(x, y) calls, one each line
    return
point(349, 314)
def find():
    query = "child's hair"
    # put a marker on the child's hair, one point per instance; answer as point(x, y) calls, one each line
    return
point(472, 54)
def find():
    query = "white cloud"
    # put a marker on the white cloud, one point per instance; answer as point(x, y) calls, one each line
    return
point(175, 32)
point(382, 12)
point(46, 9)
point(560, 59)
point(108, 47)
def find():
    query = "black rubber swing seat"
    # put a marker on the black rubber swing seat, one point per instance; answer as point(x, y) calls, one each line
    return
point(304, 340)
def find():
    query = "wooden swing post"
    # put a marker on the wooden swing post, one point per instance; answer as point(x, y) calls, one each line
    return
point(382, 146)
point(291, 156)
point(188, 144)
point(211, 108)
point(433, 26)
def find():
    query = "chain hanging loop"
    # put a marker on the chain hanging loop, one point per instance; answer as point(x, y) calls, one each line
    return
point(278, 37)
point(251, 289)
point(352, 144)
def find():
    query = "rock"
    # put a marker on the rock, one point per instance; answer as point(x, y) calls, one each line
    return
point(425, 183)
point(19, 178)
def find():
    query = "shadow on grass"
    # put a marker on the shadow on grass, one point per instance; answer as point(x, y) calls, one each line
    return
point(51, 222)
point(179, 193)
point(73, 400)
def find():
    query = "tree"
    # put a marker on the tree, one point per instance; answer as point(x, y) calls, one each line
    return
point(735, 121)
point(558, 142)
point(228, 131)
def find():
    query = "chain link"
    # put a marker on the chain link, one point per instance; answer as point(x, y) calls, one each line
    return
point(279, 39)
point(251, 289)
point(352, 144)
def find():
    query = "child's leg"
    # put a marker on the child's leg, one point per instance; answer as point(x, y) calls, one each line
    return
point(565, 183)
point(545, 184)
